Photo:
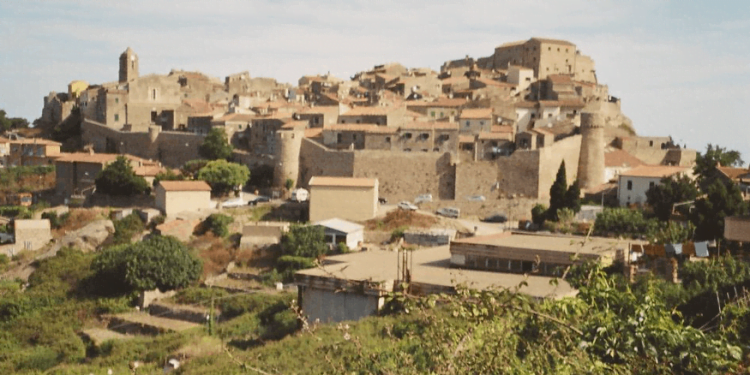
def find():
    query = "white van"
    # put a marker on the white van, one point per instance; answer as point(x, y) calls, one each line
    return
point(300, 195)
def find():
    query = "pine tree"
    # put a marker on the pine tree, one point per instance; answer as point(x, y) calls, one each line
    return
point(573, 197)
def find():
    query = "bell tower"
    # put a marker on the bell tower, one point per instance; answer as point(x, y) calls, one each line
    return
point(128, 66)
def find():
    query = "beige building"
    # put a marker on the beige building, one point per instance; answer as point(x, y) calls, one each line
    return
point(75, 173)
point(31, 234)
point(22, 152)
point(173, 197)
point(354, 199)
point(634, 183)
point(737, 228)
point(545, 57)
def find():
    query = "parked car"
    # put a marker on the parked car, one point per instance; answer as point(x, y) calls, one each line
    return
point(6, 238)
point(236, 202)
point(423, 198)
point(496, 218)
point(407, 206)
point(476, 198)
point(259, 199)
point(300, 195)
point(382, 200)
point(449, 212)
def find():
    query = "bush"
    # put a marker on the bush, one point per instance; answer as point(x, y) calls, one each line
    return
point(18, 212)
point(623, 222)
point(306, 241)
point(127, 227)
point(218, 224)
point(199, 295)
point(342, 248)
point(159, 262)
point(56, 221)
point(398, 233)
point(539, 214)
point(119, 179)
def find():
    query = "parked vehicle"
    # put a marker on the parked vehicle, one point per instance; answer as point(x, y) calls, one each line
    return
point(6, 238)
point(407, 206)
point(236, 202)
point(476, 198)
point(449, 212)
point(259, 199)
point(423, 198)
point(496, 218)
point(300, 195)
point(382, 200)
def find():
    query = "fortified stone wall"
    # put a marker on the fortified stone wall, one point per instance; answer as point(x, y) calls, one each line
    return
point(567, 149)
point(172, 149)
point(316, 160)
point(403, 176)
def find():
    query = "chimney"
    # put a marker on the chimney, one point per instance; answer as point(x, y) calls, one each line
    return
point(91, 151)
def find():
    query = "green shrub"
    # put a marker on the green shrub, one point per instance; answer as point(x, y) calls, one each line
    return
point(304, 241)
point(18, 212)
point(56, 221)
point(623, 222)
point(39, 358)
point(342, 248)
point(398, 233)
point(539, 214)
point(127, 227)
point(218, 224)
point(200, 295)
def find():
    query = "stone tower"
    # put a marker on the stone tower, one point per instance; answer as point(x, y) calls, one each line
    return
point(128, 66)
point(288, 144)
point(591, 160)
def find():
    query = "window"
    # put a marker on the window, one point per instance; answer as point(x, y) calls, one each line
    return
point(651, 143)
point(239, 126)
point(153, 116)
point(467, 123)
point(423, 137)
point(407, 136)
point(407, 150)
point(357, 121)
point(117, 100)
point(441, 115)
point(153, 94)
point(630, 185)
point(387, 139)
point(481, 123)
point(339, 138)
point(432, 113)
point(117, 117)
point(436, 149)
point(354, 137)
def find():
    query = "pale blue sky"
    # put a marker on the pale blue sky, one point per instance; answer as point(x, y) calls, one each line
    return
point(682, 68)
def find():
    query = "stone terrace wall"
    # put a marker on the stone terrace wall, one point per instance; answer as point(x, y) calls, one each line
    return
point(404, 175)
point(567, 149)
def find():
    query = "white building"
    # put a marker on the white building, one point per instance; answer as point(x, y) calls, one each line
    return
point(634, 183)
point(338, 231)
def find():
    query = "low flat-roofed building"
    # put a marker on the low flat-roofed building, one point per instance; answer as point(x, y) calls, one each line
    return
point(342, 231)
point(262, 233)
point(353, 286)
point(737, 228)
point(546, 255)
point(347, 198)
point(31, 234)
point(173, 197)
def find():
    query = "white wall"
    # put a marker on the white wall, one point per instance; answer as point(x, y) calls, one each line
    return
point(638, 192)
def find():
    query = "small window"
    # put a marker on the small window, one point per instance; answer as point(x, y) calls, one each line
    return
point(407, 136)
point(354, 137)
point(441, 115)
point(630, 185)
point(424, 137)
point(407, 150)
point(387, 139)
point(117, 100)
point(339, 138)
point(481, 123)
point(239, 126)
point(467, 123)
point(432, 113)
point(651, 143)
point(357, 121)
point(436, 149)
point(117, 117)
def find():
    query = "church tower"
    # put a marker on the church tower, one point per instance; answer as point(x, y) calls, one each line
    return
point(128, 66)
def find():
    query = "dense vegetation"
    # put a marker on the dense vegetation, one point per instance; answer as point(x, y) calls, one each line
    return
point(118, 178)
point(216, 146)
point(223, 176)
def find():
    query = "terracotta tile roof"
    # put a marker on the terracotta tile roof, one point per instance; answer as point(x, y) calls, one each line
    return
point(465, 139)
point(439, 102)
point(198, 105)
point(238, 117)
point(313, 132)
point(542, 131)
point(476, 113)
point(343, 181)
point(84, 157)
point(430, 125)
point(185, 185)
point(572, 103)
point(554, 41)
point(653, 171)
point(455, 80)
point(621, 158)
point(148, 170)
point(368, 111)
point(367, 128)
point(559, 78)
point(327, 109)
point(501, 129)
point(732, 173)
point(495, 136)
point(525, 104)
point(31, 141)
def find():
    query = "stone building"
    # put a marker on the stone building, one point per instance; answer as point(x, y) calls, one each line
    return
point(31, 234)
point(22, 152)
point(546, 57)
point(75, 173)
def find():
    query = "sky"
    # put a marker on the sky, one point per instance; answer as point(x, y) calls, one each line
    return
point(681, 68)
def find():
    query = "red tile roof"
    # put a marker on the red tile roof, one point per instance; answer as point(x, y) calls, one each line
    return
point(185, 185)
point(654, 171)
point(621, 158)
point(343, 181)
point(476, 113)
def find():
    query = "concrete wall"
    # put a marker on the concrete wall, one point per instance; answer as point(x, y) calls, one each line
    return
point(32, 234)
point(326, 306)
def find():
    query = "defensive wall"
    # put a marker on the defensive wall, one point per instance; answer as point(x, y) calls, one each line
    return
point(171, 148)
point(527, 172)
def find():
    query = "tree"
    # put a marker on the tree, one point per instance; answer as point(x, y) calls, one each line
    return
point(557, 192)
point(168, 175)
point(723, 198)
point(289, 184)
point(216, 145)
point(304, 241)
point(539, 214)
point(7, 123)
point(191, 168)
point(573, 197)
point(118, 178)
point(223, 176)
point(158, 262)
point(705, 163)
point(219, 224)
point(663, 196)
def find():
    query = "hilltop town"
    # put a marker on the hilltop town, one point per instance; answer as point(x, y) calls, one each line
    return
point(499, 189)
